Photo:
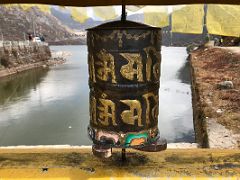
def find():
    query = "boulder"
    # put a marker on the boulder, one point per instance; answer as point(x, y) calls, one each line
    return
point(225, 85)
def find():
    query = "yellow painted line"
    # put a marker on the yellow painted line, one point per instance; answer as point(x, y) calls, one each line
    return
point(80, 164)
point(76, 174)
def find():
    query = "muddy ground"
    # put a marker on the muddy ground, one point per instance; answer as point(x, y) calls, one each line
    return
point(219, 107)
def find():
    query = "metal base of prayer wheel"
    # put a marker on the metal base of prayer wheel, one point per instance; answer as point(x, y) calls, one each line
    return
point(105, 151)
point(104, 143)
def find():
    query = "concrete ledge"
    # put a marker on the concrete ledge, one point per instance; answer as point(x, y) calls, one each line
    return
point(79, 163)
point(40, 147)
point(225, 138)
point(15, 57)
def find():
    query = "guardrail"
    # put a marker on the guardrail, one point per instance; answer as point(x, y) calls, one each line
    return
point(21, 43)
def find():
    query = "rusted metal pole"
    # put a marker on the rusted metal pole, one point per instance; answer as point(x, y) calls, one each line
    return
point(123, 154)
point(123, 18)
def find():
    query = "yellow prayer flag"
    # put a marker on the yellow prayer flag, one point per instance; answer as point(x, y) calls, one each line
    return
point(134, 8)
point(105, 13)
point(79, 14)
point(156, 16)
point(41, 7)
point(188, 19)
point(26, 7)
point(44, 8)
point(223, 20)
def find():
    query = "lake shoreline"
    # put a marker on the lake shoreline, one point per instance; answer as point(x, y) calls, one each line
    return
point(19, 56)
point(51, 106)
point(5, 72)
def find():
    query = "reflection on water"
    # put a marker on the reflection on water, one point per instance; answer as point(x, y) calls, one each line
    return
point(18, 86)
point(42, 107)
point(55, 111)
point(175, 114)
point(184, 73)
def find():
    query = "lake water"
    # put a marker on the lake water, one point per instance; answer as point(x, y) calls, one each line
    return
point(50, 107)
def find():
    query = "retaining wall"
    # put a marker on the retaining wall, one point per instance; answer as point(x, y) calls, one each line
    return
point(17, 56)
point(216, 110)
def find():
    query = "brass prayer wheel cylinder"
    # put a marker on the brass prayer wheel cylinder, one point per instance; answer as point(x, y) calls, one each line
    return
point(124, 70)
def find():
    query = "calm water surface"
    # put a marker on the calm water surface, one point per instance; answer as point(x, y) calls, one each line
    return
point(45, 107)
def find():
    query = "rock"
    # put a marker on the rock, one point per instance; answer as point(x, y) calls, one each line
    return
point(219, 111)
point(208, 101)
point(225, 85)
point(191, 48)
point(15, 21)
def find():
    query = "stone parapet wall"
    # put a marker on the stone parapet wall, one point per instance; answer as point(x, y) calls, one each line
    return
point(17, 53)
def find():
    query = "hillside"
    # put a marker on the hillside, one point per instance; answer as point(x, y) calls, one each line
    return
point(15, 23)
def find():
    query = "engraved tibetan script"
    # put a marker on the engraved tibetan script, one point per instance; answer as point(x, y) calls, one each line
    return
point(107, 112)
point(134, 113)
point(154, 111)
point(150, 66)
point(93, 110)
point(91, 68)
point(106, 66)
point(104, 112)
point(129, 71)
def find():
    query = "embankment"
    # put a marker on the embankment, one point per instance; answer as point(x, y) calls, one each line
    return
point(17, 56)
point(216, 96)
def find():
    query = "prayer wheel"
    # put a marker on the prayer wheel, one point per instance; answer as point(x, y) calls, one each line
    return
point(124, 61)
